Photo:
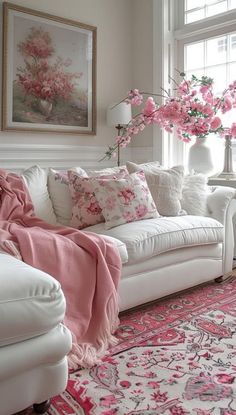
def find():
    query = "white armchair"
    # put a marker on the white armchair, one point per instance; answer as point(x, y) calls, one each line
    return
point(33, 341)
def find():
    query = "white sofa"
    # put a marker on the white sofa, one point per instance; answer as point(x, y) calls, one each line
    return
point(160, 256)
point(165, 255)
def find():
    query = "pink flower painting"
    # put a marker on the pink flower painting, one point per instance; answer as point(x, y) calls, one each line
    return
point(49, 73)
point(45, 83)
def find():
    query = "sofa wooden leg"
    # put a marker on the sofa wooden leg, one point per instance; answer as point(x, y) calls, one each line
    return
point(41, 408)
point(219, 279)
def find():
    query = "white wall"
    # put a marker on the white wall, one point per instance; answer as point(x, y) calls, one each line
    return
point(114, 20)
point(143, 58)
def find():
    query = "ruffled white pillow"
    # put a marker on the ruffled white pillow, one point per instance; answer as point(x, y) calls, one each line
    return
point(35, 179)
point(194, 195)
point(58, 186)
point(165, 187)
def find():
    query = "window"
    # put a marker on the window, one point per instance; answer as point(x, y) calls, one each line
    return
point(207, 46)
point(201, 9)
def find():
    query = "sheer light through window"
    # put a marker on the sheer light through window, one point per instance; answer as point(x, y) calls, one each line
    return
point(216, 58)
point(201, 9)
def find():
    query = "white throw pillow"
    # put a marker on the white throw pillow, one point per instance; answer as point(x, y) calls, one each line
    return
point(150, 166)
point(165, 186)
point(35, 179)
point(194, 195)
point(58, 186)
point(107, 171)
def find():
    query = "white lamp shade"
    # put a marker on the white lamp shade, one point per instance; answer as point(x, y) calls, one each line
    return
point(119, 114)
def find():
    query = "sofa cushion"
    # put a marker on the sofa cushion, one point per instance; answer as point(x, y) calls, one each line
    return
point(35, 179)
point(147, 238)
point(120, 245)
point(31, 301)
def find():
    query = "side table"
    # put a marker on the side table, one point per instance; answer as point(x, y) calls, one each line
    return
point(220, 181)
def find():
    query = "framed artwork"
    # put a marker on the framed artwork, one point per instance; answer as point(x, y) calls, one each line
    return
point(49, 73)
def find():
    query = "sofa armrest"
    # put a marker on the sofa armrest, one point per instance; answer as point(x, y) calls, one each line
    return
point(218, 202)
point(221, 205)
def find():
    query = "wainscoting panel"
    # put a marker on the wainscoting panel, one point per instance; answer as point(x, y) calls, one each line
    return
point(18, 157)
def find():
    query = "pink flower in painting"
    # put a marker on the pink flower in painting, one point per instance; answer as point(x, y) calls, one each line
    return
point(141, 210)
point(40, 78)
point(38, 44)
point(108, 400)
point(127, 195)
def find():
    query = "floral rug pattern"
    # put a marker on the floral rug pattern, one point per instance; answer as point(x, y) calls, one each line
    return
point(175, 357)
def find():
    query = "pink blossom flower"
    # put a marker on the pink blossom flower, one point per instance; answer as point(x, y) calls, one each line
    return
point(149, 107)
point(215, 123)
point(233, 129)
point(226, 105)
point(194, 112)
point(134, 97)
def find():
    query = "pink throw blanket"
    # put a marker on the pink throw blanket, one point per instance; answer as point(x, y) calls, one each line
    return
point(87, 266)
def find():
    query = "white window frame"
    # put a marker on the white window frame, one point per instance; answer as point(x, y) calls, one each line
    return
point(224, 23)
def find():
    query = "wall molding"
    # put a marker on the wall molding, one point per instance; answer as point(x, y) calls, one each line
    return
point(20, 156)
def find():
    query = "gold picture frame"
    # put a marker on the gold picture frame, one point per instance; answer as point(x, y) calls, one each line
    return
point(49, 73)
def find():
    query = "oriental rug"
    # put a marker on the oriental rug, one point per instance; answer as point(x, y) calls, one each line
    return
point(174, 357)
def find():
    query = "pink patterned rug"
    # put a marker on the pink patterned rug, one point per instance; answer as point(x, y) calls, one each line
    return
point(176, 357)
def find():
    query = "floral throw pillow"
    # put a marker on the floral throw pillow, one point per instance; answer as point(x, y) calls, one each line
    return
point(86, 210)
point(123, 200)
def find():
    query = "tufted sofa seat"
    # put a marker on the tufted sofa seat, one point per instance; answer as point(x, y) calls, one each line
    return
point(148, 238)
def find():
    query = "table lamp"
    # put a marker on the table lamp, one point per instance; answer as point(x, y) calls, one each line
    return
point(119, 115)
